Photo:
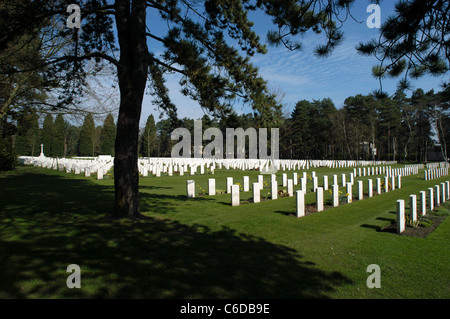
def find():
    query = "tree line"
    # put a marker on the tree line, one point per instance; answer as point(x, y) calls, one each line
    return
point(398, 128)
point(368, 127)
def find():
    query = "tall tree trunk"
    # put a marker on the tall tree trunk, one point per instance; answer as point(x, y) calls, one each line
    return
point(132, 75)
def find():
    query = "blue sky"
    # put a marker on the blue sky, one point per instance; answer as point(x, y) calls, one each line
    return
point(303, 76)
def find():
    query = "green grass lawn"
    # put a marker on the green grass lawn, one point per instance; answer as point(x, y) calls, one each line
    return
point(203, 247)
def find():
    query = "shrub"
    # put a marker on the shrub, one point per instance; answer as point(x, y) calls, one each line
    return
point(8, 159)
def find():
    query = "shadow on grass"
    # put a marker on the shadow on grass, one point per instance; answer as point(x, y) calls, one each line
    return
point(49, 222)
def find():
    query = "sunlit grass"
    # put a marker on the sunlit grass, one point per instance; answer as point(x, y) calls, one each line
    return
point(203, 247)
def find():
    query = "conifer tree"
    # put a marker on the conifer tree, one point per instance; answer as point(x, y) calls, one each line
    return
point(108, 136)
point(47, 135)
point(86, 141)
point(27, 139)
point(148, 138)
point(59, 138)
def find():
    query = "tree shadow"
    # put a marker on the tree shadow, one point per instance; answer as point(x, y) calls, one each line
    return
point(286, 213)
point(377, 228)
point(163, 204)
point(149, 258)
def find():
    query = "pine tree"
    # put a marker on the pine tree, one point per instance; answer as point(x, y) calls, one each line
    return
point(47, 135)
point(413, 42)
point(59, 140)
point(27, 139)
point(148, 139)
point(86, 142)
point(108, 136)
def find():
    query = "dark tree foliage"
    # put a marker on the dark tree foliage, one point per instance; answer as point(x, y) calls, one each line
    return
point(414, 41)
point(108, 136)
point(48, 135)
point(86, 142)
point(59, 138)
point(148, 138)
point(27, 139)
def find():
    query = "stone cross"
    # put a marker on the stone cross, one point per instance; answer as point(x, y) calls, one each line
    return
point(42, 151)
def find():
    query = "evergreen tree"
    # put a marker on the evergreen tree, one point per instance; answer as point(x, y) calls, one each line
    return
point(108, 136)
point(301, 130)
point(73, 136)
point(414, 41)
point(148, 138)
point(47, 135)
point(86, 141)
point(27, 138)
point(59, 139)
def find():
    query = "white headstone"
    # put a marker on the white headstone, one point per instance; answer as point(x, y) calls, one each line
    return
point(400, 216)
point(413, 207)
point(256, 193)
point(284, 180)
point(261, 181)
point(274, 189)
point(229, 183)
point(319, 199)
point(360, 190)
point(211, 186)
point(315, 183)
point(437, 198)
point(300, 203)
point(349, 193)
point(335, 195)
point(430, 198)
point(423, 203)
point(235, 200)
point(190, 187)
point(246, 183)
point(290, 187)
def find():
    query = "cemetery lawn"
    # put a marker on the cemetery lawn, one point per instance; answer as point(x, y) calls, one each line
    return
point(204, 248)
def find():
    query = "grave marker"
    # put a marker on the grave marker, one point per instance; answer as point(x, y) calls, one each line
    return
point(300, 203)
point(400, 216)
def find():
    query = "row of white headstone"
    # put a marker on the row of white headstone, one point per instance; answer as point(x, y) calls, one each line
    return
point(234, 190)
point(436, 165)
point(435, 173)
point(91, 165)
point(436, 195)
point(261, 164)
point(300, 202)
point(303, 181)
point(181, 166)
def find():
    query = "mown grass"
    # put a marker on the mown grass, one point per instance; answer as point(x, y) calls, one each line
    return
point(203, 247)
